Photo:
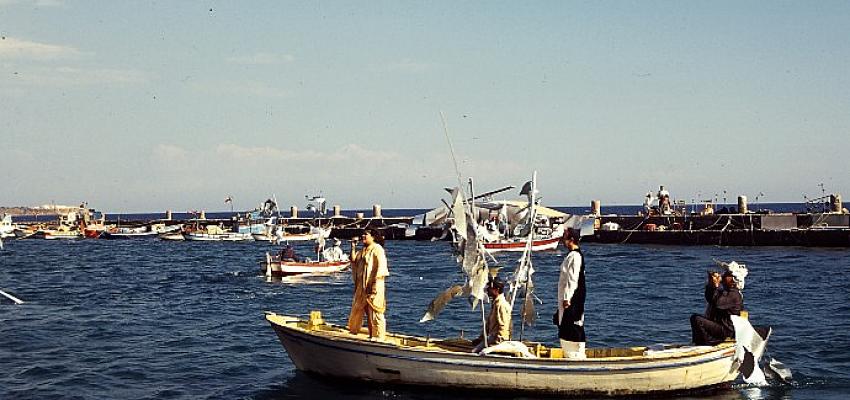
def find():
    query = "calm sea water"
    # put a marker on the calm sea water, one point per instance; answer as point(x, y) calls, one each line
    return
point(154, 319)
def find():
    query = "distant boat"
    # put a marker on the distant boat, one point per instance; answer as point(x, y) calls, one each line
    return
point(540, 243)
point(276, 268)
point(178, 235)
point(280, 235)
point(214, 233)
point(7, 228)
point(139, 232)
point(327, 262)
point(61, 232)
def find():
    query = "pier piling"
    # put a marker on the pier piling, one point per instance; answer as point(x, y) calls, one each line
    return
point(742, 204)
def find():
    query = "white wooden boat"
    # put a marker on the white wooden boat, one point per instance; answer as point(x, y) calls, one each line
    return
point(276, 267)
point(139, 231)
point(315, 233)
point(330, 350)
point(519, 244)
point(214, 233)
point(7, 228)
point(217, 237)
point(172, 236)
point(59, 233)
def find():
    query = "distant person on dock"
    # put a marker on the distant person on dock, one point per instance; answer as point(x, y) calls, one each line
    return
point(369, 270)
point(724, 300)
point(664, 205)
point(499, 319)
point(647, 203)
point(571, 296)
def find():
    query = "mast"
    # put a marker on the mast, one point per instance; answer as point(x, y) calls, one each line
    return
point(525, 265)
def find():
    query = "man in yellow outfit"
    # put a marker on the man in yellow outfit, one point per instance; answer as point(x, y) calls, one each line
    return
point(368, 270)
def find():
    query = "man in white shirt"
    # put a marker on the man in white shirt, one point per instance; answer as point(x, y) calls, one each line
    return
point(571, 296)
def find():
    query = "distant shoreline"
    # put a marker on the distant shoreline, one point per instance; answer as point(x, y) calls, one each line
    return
point(25, 211)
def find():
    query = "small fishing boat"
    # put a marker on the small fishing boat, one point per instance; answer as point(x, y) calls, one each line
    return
point(93, 231)
point(177, 235)
point(139, 231)
point(214, 233)
point(7, 228)
point(280, 235)
point(450, 363)
point(60, 232)
point(276, 268)
point(282, 264)
point(540, 242)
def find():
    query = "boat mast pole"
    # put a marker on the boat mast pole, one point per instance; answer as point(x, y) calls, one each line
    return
point(475, 224)
point(471, 207)
point(525, 261)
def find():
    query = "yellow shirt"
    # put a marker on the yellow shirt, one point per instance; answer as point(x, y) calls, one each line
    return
point(368, 270)
point(499, 321)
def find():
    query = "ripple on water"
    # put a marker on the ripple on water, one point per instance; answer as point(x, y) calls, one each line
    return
point(153, 319)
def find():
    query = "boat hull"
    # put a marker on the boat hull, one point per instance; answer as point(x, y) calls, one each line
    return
point(289, 268)
point(537, 245)
point(224, 237)
point(355, 357)
point(127, 235)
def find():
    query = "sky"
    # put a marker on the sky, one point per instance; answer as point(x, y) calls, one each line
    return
point(147, 106)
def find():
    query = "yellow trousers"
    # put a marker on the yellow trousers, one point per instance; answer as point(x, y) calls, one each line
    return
point(371, 306)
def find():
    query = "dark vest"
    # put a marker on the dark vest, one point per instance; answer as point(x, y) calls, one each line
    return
point(575, 311)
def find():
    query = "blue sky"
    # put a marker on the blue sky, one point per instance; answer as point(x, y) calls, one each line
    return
point(147, 106)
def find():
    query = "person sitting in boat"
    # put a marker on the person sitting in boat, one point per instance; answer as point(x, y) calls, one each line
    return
point(724, 300)
point(288, 253)
point(334, 253)
point(499, 320)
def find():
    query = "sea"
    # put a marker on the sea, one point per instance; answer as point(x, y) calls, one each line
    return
point(153, 319)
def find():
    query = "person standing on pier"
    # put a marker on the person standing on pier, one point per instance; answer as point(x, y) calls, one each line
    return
point(369, 270)
point(571, 296)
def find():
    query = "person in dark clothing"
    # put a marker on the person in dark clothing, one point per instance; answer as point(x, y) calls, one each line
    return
point(288, 253)
point(724, 300)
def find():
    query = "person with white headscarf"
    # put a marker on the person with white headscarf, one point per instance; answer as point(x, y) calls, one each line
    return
point(724, 300)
